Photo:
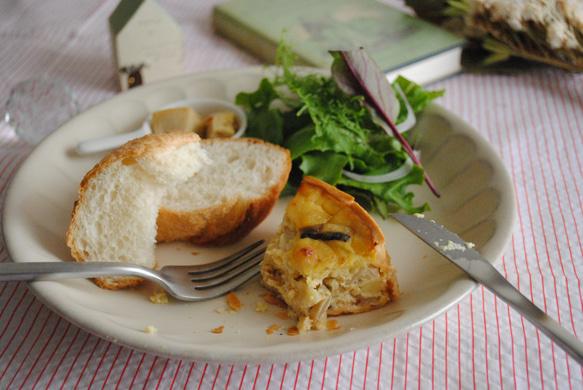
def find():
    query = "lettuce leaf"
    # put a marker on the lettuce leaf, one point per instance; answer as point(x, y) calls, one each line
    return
point(328, 131)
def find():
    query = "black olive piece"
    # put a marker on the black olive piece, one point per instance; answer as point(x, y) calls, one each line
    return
point(326, 236)
point(316, 233)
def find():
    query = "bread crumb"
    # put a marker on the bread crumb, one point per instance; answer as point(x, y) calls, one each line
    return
point(282, 315)
point(159, 297)
point(261, 307)
point(151, 329)
point(272, 329)
point(293, 331)
point(273, 300)
point(219, 310)
point(194, 253)
point(219, 329)
point(333, 325)
point(234, 302)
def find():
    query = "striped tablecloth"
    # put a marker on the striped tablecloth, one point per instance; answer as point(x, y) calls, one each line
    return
point(533, 119)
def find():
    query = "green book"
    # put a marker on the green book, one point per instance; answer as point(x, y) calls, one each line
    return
point(398, 42)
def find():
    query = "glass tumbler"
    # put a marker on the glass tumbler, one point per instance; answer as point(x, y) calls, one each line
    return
point(36, 107)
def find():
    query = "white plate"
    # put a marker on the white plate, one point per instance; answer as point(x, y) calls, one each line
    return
point(477, 202)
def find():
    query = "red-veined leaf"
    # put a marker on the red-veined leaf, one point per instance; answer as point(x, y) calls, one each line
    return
point(356, 73)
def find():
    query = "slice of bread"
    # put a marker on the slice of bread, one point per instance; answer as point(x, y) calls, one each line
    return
point(114, 218)
point(328, 257)
point(228, 198)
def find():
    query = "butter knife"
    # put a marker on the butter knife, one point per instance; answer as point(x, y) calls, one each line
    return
point(461, 253)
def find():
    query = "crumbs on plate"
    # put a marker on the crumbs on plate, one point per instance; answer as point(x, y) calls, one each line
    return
point(159, 297)
point(282, 315)
point(219, 329)
point(272, 329)
point(293, 330)
point(151, 329)
point(273, 300)
point(234, 302)
point(332, 325)
point(236, 305)
point(261, 307)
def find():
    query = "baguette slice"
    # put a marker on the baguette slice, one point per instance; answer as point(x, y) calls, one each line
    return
point(228, 198)
point(114, 218)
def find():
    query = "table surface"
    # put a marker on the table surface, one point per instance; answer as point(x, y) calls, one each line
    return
point(534, 119)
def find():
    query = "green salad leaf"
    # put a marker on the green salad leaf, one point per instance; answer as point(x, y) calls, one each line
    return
point(329, 132)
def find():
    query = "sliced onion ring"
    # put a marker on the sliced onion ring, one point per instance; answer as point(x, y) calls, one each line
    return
point(398, 173)
point(411, 119)
point(407, 166)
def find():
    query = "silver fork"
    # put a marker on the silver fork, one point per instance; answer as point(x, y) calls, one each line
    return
point(187, 283)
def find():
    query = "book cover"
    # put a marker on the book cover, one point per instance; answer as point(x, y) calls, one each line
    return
point(398, 42)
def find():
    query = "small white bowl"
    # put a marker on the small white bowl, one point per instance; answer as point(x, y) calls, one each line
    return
point(208, 106)
point(203, 106)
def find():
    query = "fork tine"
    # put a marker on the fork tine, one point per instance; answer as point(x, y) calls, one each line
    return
point(229, 268)
point(224, 275)
point(216, 265)
point(229, 285)
point(212, 280)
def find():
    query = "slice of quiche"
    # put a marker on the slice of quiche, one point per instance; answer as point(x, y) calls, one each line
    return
point(328, 257)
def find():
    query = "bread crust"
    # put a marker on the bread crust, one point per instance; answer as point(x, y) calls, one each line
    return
point(229, 221)
point(147, 147)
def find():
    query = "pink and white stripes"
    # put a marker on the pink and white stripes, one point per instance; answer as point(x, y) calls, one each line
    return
point(533, 119)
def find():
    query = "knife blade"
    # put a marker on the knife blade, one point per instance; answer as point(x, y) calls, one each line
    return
point(462, 254)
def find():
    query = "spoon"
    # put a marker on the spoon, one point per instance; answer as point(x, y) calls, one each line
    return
point(202, 106)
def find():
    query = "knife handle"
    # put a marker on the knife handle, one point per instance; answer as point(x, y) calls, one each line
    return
point(509, 294)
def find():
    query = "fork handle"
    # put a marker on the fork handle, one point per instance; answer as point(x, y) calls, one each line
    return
point(29, 272)
point(509, 294)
